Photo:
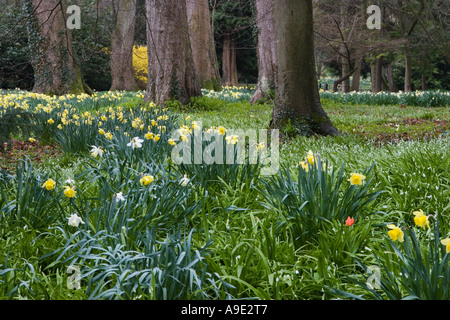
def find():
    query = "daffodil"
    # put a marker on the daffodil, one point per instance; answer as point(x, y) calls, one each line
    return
point(172, 142)
point(109, 136)
point(260, 146)
point(420, 219)
point(50, 121)
point(70, 192)
point(49, 184)
point(304, 165)
point(310, 157)
point(184, 138)
point(70, 181)
point(146, 180)
point(221, 130)
point(184, 181)
point(356, 179)
point(395, 233)
point(75, 220)
point(196, 125)
point(135, 143)
point(446, 243)
point(96, 151)
point(157, 137)
point(233, 139)
point(119, 196)
point(101, 131)
point(32, 140)
point(149, 136)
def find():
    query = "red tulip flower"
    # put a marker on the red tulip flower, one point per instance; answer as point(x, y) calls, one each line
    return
point(349, 222)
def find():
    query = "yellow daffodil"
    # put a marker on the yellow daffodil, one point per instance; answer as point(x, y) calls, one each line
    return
point(32, 140)
point(446, 243)
point(109, 136)
point(356, 179)
point(172, 142)
point(146, 180)
point(396, 234)
point(49, 184)
point(149, 136)
point(184, 138)
point(70, 192)
point(221, 130)
point(260, 146)
point(50, 121)
point(304, 165)
point(233, 139)
point(101, 131)
point(157, 137)
point(195, 125)
point(420, 219)
point(310, 157)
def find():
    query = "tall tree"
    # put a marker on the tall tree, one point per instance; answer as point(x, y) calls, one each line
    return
point(202, 43)
point(171, 69)
point(297, 100)
point(229, 66)
point(122, 41)
point(54, 65)
point(266, 49)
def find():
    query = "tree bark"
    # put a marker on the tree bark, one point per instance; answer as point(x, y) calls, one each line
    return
point(55, 68)
point(408, 85)
point(356, 81)
point(379, 75)
point(297, 100)
point(373, 76)
point(171, 69)
point(266, 50)
point(229, 66)
point(122, 41)
point(202, 43)
point(390, 78)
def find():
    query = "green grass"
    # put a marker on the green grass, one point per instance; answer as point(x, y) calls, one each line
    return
point(226, 238)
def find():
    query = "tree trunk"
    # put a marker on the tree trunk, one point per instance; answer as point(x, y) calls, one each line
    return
point(424, 83)
point(171, 69)
point(229, 67)
point(266, 50)
point(297, 100)
point(55, 68)
point(122, 41)
point(373, 76)
point(345, 72)
point(390, 78)
point(408, 86)
point(357, 75)
point(379, 75)
point(202, 43)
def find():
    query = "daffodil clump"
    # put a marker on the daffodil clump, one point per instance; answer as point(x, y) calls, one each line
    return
point(418, 98)
point(231, 94)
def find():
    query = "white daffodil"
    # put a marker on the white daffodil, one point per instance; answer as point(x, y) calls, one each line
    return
point(96, 151)
point(184, 181)
point(136, 142)
point(69, 181)
point(119, 196)
point(75, 220)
